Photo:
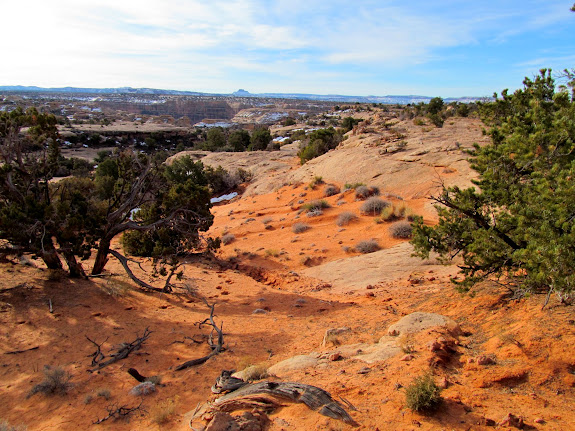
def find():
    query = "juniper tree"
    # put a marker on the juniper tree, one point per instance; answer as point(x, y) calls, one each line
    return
point(161, 208)
point(518, 221)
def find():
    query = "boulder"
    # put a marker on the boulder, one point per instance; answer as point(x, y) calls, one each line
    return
point(299, 362)
point(419, 321)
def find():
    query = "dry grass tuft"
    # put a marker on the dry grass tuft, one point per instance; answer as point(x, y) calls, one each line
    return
point(161, 412)
point(56, 382)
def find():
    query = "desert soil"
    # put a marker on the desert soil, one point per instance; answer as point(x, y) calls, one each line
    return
point(511, 356)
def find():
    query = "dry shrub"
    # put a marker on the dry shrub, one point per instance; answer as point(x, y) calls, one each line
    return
point(161, 412)
point(315, 205)
point(300, 227)
point(56, 274)
point(144, 388)
point(345, 218)
point(364, 192)
point(255, 372)
point(423, 395)
point(401, 230)
point(367, 246)
point(56, 382)
point(228, 238)
point(117, 287)
point(5, 426)
point(272, 252)
point(374, 206)
point(331, 190)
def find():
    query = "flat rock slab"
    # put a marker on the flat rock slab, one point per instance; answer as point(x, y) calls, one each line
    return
point(395, 263)
point(379, 352)
point(419, 321)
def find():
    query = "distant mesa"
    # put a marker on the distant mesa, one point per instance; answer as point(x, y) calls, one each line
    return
point(241, 92)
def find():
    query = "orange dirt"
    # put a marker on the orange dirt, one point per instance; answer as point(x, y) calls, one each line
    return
point(307, 285)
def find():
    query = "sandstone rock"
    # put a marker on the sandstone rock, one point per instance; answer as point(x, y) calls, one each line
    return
point(512, 421)
point(419, 321)
point(382, 351)
point(299, 362)
point(406, 358)
point(222, 422)
point(335, 357)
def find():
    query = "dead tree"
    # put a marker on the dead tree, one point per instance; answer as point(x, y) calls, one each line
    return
point(99, 360)
point(216, 348)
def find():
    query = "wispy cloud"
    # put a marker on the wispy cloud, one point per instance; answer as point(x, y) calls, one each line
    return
point(293, 44)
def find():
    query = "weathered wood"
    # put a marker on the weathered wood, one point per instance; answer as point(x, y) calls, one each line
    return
point(269, 395)
point(121, 352)
point(15, 352)
point(216, 348)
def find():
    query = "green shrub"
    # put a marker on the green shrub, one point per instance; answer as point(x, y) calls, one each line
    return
point(423, 395)
point(352, 186)
point(374, 206)
point(317, 180)
point(316, 205)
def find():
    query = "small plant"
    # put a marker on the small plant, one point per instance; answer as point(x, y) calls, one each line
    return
point(145, 388)
point(315, 182)
point(363, 192)
point(272, 252)
point(387, 214)
point(315, 205)
point(367, 246)
point(345, 218)
point(228, 238)
point(423, 395)
point(161, 412)
point(401, 230)
point(314, 213)
point(374, 206)
point(419, 122)
point(352, 186)
point(56, 274)
point(255, 372)
point(104, 393)
point(300, 227)
point(56, 382)
point(331, 190)
point(117, 287)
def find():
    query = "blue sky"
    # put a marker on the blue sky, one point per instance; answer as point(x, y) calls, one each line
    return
point(445, 48)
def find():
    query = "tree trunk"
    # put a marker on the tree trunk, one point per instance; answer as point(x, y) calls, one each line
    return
point(50, 257)
point(74, 267)
point(101, 256)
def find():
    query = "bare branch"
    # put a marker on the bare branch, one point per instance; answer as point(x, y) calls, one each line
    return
point(121, 352)
point(216, 349)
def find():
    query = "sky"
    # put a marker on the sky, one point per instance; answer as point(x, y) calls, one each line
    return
point(447, 48)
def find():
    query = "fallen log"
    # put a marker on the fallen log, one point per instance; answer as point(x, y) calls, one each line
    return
point(269, 395)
